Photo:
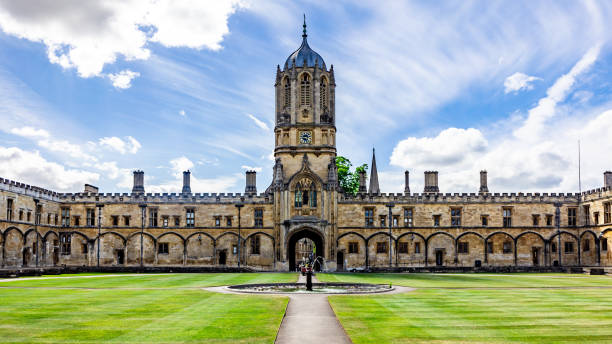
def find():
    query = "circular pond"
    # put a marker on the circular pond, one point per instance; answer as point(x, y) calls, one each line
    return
point(317, 288)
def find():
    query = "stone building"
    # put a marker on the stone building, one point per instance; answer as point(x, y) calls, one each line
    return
point(263, 230)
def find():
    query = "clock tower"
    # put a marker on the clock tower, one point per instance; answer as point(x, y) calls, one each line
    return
point(305, 181)
point(305, 112)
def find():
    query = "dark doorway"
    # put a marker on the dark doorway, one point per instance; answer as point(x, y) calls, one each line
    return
point(535, 254)
point(340, 261)
point(318, 247)
point(120, 257)
point(222, 257)
point(55, 253)
point(439, 257)
point(26, 257)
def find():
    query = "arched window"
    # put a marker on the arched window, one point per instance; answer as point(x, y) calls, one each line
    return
point(305, 194)
point(305, 90)
point(287, 93)
point(323, 94)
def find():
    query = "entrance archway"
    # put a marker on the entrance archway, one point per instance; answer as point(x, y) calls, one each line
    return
point(295, 238)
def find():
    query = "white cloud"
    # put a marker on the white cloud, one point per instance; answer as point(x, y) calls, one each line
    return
point(129, 145)
point(123, 79)
point(258, 122)
point(30, 133)
point(532, 128)
point(87, 35)
point(64, 147)
point(30, 167)
point(181, 164)
point(519, 81)
point(251, 168)
point(182, 113)
point(452, 146)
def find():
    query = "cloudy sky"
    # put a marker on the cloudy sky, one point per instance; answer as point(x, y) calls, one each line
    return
point(92, 90)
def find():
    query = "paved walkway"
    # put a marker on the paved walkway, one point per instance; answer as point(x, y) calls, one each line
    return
point(310, 319)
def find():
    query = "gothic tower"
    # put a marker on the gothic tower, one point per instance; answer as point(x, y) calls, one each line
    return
point(305, 176)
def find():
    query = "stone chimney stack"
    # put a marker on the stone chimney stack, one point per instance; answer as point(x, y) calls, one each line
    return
point(431, 182)
point(90, 189)
point(186, 182)
point(251, 182)
point(484, 189)
point(406, 183)
point(608, 179)
point(362, 182)
point(138, 182)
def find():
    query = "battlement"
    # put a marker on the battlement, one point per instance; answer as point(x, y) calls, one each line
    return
point(28, 190)
point(461, 198)
point(164, 197)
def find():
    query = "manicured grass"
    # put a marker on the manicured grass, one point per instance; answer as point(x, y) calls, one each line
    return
point(472, 280)
point(41, 314)
point(580, 313)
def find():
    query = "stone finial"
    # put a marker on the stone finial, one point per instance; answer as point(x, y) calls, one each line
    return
point(374, 187)
point(484, 189)
point(138, 187)
point(407, 183)
point(251, 184)
point(608, 179)
point(186, 182)
point(332, 173)
point(431, 182)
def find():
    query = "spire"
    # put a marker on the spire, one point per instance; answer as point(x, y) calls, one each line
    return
point(304, 35)
point(374, 188)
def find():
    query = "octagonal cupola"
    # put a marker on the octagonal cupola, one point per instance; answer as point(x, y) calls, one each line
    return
point(304, 56)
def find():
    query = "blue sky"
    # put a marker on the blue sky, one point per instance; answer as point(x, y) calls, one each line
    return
point(91, 92)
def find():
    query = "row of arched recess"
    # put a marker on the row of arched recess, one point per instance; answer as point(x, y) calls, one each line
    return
point(529, 248)
point(170, 248)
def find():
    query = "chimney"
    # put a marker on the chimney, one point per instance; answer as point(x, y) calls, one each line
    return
point(138, 182)
point(407, 183)
point(484, 189)
point(362, 182)
point(431, 182)
point(251, 184)
point(90, 189)
point(608, 179)
point(186, 182)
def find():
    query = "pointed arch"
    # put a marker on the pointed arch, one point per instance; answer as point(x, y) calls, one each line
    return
point(349, 233)
point(286, 92)
point(323, 94)
point(305, 89)
point(409, 233)
point(380, 233)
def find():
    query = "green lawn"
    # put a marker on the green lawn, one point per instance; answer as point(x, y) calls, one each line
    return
point(177, 311)
point(579, 314)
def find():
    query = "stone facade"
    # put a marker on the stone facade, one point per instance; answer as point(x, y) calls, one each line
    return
point(39, 227)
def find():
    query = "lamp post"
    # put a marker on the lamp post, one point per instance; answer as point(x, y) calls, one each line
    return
point(36, 228)
point(239, 206)
point(143, 208)
point(99, 206)
point(390, 206)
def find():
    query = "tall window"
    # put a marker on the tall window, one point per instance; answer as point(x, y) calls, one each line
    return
point(255, 244)
point(489, 247)
point(484, 220)
point(217, 221)
point(507, 215)
point(586, 245)
point(596, 218)
point(383, 222)
point(287, 93)
point(38, 214)
point(91, 217)
point(369, 217)
point(190, 218)
point(549, 219)
point(9, 209)
point(259, 217)
point(65, 217)
point(587, 215)
point(436, 220)
point(571, 217)
point(408, 212)
point(165, 221)
point(417, 247)
point(126, 220)
point(323, 94)
point(535, 220)
point(115, 220)
point(152, 217)
point(607, 218)
point(65, 243)
point(456, 217)
point(76, 220)
point(305, 194)
point(163, 248)
point(604, 244)
point(305, 90)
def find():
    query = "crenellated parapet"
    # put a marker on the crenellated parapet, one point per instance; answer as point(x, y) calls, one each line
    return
point(197, 198)
point(28, 190)
point(462, 198)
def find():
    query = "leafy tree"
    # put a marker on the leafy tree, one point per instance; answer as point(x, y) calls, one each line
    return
point(349, 181)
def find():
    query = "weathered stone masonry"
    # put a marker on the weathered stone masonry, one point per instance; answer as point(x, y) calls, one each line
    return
point(39, 227)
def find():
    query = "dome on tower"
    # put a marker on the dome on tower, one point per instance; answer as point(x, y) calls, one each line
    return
point(305, 56)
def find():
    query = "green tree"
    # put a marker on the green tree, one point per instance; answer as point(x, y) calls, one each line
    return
point(349, 181)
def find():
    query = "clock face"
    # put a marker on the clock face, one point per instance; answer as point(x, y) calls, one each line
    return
point(305, 137)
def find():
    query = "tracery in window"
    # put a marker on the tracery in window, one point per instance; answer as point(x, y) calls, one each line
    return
point(305, 90)
point(305, 193)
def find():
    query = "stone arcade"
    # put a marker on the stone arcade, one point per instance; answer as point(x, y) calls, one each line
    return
point(371, 230)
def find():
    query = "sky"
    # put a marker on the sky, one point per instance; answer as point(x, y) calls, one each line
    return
point(91, 91)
